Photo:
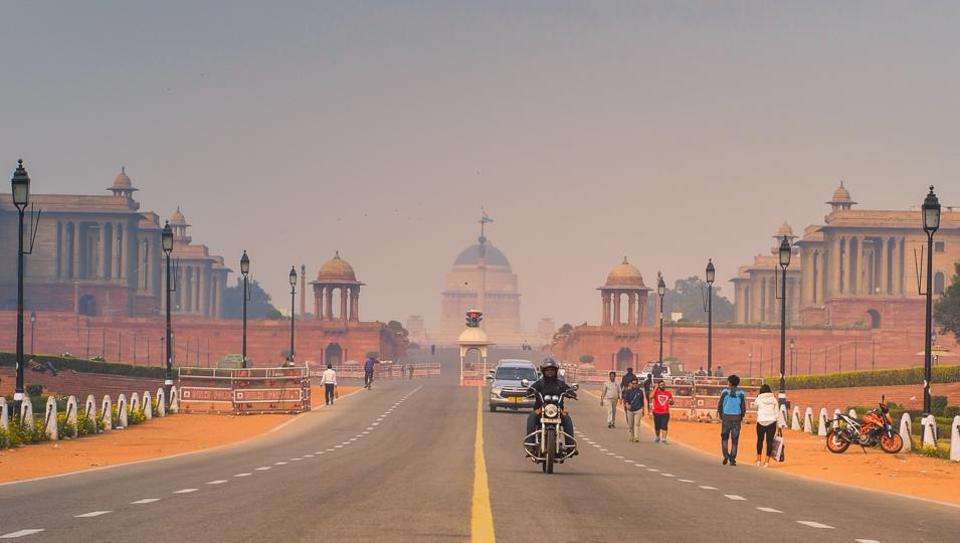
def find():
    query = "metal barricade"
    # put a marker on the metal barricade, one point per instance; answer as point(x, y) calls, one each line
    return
point(245, 391)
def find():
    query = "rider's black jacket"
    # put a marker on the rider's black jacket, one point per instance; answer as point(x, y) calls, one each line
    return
point(552, 387)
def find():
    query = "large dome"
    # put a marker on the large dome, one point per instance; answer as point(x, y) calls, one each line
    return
point(625, 274)
point(336, 270)
point(471, 256)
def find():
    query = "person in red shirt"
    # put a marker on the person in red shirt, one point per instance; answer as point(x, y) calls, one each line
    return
point(662, 400)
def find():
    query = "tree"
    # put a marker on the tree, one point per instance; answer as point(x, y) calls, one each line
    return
point(689, 296)
point(946, 312)
point(259, 306)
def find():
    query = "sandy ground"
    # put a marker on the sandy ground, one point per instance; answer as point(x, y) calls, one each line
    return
point(807, 456)
point(156, 438)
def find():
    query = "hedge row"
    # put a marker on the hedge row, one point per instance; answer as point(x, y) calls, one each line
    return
point(907, 376)
point(89, 366)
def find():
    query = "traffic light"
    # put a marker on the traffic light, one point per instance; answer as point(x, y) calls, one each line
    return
point(473, 318)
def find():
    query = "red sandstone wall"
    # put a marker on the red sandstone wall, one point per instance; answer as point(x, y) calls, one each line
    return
point(197, 341)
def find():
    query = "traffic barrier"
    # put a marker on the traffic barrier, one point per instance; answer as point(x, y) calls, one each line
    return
point(4, 416)
point(906, 432)
point(72, 410)
point(795, 419)
point(135, 403)
point(161, 403)
point(808, 420)
point(50, 419)
point(928, 430)
point(955, 439)
point(122, 419)
point(245, 390)
point(174, 399)
point(26, 413)
point(147, 405)
point(822, 422)
point(106, 412)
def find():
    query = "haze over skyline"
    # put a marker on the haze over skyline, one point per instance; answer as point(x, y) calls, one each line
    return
point(668, 133)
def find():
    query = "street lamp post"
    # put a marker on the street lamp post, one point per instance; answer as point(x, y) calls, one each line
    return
point(711, 276)
point(20, 184)
point(33, 323)
point(785, 253)
point(661, 290)
point(293, 292)
point(931, 222)
point(244, 270)
point(166, 239)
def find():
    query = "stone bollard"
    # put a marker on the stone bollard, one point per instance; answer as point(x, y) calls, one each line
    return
point(906, 432)
point(135, 406)
point(174, 400)
point(72, 411)
point(795, 419)
point(853, 414)
point(161, 403)
point(4, 416)
point(836, 416)
point(955, 439)
point(808, 420)
point(90, 407)
point(50, 419)
point(928, 429)
point(26, 413)
point(147, 405)
point(106, 413)
point(782, 417)
point(822, 422)
point(122, 419)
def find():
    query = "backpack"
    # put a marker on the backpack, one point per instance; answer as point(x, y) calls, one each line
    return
point(732, 404)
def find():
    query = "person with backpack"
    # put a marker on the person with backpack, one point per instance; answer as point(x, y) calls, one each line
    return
point(731, 408)
point(768, 415)
point(633, 403)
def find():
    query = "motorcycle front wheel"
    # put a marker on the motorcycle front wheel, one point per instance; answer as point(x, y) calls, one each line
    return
point(551, 450)
point(836, 442)
point(891, 444)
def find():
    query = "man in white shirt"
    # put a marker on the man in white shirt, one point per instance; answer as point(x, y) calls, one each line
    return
point(610, 392)
point(329, 381)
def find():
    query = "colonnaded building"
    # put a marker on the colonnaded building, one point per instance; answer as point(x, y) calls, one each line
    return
point(101, 256)
point(857, 268)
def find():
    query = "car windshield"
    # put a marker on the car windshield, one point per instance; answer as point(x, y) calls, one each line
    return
point(516, 374)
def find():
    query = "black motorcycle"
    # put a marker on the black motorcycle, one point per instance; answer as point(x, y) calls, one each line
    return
point(550, 444)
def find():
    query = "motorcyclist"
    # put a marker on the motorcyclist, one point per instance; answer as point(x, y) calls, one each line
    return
point(550, 384)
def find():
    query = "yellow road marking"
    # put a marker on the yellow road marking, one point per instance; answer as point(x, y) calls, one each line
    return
point(481, 516)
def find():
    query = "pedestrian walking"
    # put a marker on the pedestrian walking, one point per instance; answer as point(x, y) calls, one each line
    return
point(329, 380)
point(368, 367)
point(610, 393)
point(624, 381)
point(768, 416)
point(662, 400)
point(410, 371)
point(731, 408)
point(633, 404)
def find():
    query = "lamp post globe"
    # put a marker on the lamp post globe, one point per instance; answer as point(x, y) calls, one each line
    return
point(20, 187)
point(931, 223)
point(711, 276)
point(244, 263)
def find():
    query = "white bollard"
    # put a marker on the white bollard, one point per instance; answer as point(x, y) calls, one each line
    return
point(808, 420)
point(853, 414)
point(72, 411)
point(147, 405)
point(174, 400)
point(906, 432)
point(4, 416)
point(26, 413)
point(106, 412)
point(928, 429)
point(50, 419)
point(955, 439)
point(823, 422)
point(795, 419)
point(161, 403)
point(90, 407)
point(836, 413)
point(135, 403)
point(122, 411)
point(782, 417)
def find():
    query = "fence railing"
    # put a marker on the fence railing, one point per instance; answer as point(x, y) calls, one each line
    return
point(245, 391)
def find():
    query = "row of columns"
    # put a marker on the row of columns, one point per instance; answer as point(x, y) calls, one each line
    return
point(349, 302)
point(93, 250)
point(199, 291)
point(612, 308)
point(861, 265)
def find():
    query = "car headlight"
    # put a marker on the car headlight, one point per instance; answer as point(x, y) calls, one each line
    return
point(551, 411)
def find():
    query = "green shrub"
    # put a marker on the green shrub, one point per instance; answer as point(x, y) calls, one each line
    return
point(65, 429)
point(906, 376)
point(34, 390)
point(89, 366)
point(85, 425)
point(951, 411)
point(938, 404)
point(941, 450)
point(136, 417)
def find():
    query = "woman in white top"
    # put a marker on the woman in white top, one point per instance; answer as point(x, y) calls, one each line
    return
point(768, 413)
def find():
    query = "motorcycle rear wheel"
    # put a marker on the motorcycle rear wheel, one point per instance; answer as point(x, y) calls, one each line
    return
point(836, 443)
point(551, 450)
point(891, 444)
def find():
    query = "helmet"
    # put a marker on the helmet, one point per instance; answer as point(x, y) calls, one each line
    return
point(549, 363)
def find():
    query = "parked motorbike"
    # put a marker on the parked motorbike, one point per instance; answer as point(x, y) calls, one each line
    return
point(875, 428)
point(549, 444)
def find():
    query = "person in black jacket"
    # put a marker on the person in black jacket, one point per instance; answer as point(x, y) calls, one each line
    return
point(549, 384)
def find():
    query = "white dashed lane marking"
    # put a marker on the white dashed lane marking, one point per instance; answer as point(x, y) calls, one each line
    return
point(281, 463)
point(217, 482)
point(92, 514)
point(667, 474)
point(186, 490)
point(653, 469)
point(705, 487)
point(866, 541)
point(145, 501)
point(769, 510)
point(21, 533)
point(735, 497)
point(263, 468)
point(813, 524)
point(685, 480)
point(308, 456)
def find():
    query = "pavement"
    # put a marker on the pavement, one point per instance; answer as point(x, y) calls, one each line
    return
point(405, 462)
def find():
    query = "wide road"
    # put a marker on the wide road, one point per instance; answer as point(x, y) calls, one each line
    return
point(400, 463)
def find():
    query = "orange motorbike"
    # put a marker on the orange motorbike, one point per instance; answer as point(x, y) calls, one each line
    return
point(876, 428)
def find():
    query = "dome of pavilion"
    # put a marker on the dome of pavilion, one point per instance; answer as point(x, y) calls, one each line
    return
point(471, 256)
point(625, 274)
point(122, 181)
point(841, 196)
point(177, 219)
point(336, 270)
point(785, 230)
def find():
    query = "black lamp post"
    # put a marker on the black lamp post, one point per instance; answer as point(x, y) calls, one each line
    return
point(661, 290)
point(711, 277)
point(166, 239)
point(293, 292)
point(20, 183)
point(931, 222)
point(33, 323)
point(785, 253)
point(244, 270)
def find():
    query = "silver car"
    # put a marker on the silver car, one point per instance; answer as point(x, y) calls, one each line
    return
point(506, 391)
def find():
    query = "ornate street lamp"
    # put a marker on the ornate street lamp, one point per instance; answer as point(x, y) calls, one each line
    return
point(931, 223)
point(293, 292)
point(785, 252)
point(711, 277)
point(244, 270)
point(661, 290)
point(166, 242)
point(20, 184)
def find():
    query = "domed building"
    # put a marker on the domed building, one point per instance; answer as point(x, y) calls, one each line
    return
point(481, 278)
point(336, 275)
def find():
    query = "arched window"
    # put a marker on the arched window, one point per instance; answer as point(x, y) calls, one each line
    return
point(938, 286)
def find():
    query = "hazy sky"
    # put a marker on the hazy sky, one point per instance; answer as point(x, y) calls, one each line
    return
point(667, 132)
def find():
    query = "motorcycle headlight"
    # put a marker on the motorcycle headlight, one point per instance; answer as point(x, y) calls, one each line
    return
point(551, 411)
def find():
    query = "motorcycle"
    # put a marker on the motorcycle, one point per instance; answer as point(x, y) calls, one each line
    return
point(875, 428)
point(549, 444)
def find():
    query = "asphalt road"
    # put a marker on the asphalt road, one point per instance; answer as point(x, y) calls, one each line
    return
point(398, 464)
